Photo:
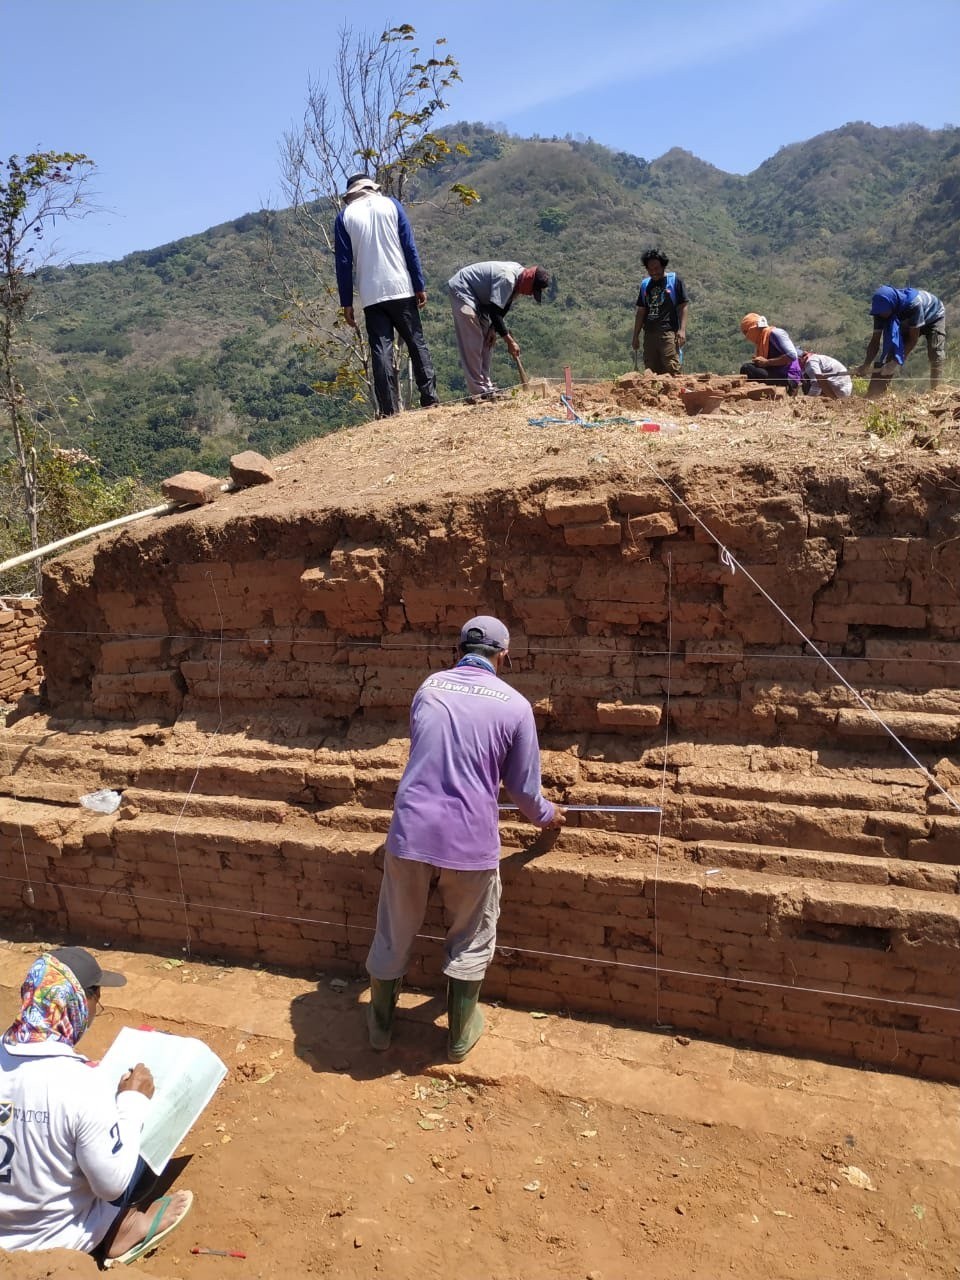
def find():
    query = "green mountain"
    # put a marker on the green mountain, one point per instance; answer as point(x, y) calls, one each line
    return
point(175, 356)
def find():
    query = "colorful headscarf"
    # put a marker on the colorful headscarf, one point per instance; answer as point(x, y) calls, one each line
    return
point(54, 1006)
point(756, 329)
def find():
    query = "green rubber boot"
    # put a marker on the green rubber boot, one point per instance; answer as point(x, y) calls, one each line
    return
point(464, 1019)
point(380, 1010)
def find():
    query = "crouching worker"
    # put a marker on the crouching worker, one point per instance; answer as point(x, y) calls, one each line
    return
point(469, 731)
point(824, 376)
point(69, 1148)
point(775, 357)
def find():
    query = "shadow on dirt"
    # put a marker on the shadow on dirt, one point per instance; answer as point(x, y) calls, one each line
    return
point(330, 1033)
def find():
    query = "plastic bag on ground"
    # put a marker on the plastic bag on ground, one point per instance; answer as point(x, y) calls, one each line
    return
point(102, 801)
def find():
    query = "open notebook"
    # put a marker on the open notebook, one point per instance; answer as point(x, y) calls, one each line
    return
point(186, 1075)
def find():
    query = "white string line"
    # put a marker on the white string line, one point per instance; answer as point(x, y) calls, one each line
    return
point(746, 655)
point(506, 951)
point(730, 560)
point(210, 739)
point(663, 785)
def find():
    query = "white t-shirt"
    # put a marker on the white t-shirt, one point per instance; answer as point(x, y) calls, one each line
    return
point(373, 225)
point(67, 1148)
point(826, 366)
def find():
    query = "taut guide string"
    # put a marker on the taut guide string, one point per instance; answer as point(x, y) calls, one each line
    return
point(663, 788)
point(211, 738)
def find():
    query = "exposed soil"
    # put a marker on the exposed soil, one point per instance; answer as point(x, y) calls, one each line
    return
point(459, 449)
point(561, 1148)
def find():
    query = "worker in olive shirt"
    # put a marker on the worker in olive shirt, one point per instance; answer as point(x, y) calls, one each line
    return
point(469, 731)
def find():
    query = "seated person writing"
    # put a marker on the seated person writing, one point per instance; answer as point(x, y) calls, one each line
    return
point(69, 1148)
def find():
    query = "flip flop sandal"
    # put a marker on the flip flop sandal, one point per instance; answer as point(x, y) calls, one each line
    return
point(153, 1237)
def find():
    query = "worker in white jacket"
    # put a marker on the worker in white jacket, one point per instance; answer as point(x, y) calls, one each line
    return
point(69, 1148)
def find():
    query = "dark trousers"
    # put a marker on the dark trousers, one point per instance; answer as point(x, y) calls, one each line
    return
point(139, 1187)
point(400, 315)
point(776, 377)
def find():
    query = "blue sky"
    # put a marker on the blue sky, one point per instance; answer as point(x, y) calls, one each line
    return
point(182, 102)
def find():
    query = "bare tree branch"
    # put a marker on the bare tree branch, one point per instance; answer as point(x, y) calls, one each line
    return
point(371, 114)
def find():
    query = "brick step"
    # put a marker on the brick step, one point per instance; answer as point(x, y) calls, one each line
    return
point(153, 833)
point(42, 790)
point(88, 768)
point(835, 790)
point(200, 806)
point(45, 829)
point(809, 864)
point(297, 779)
point(833, 830)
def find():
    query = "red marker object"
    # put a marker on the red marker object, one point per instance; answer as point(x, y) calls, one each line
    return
point(219, 1253)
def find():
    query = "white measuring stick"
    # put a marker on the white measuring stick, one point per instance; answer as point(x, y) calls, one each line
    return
point(594, 808)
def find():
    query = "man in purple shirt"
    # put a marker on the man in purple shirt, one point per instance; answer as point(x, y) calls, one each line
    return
point(469, 731)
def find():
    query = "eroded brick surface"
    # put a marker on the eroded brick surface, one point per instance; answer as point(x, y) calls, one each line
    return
point(248, 691)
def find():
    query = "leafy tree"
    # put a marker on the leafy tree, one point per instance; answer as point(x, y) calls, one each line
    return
point(34, 193)
point(74, 496)
point(374, 113)
point(553, 220)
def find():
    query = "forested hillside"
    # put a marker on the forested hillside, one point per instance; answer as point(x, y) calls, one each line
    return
point(176, 355)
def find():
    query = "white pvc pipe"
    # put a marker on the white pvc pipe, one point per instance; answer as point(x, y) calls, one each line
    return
point(164, 509)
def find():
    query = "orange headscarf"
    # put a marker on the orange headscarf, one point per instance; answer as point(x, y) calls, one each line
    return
point(755, 329)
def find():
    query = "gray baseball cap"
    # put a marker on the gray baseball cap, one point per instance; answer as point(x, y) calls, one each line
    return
point(485, 630)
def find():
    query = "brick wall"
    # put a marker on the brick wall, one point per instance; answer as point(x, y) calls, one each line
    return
point(791, 964)
point(20, 623)
point(805, 864)
point(590, 589)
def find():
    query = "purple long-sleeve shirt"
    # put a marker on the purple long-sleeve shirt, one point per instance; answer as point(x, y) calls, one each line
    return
point(468, 732)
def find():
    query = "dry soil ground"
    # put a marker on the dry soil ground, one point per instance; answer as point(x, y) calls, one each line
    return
point(561, 1148)
point(459, 450)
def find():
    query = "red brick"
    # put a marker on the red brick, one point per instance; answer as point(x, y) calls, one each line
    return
point(559, 511)
point(659, 524)
point(606, 533)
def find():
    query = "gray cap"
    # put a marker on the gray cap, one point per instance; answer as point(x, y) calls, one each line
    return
point(86, 968)
point(485, 630)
